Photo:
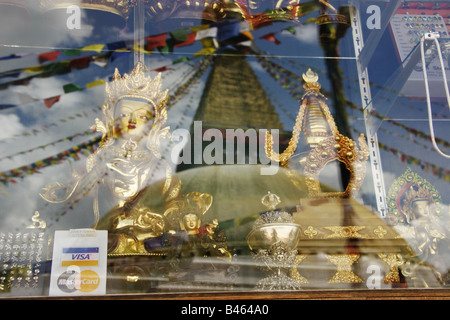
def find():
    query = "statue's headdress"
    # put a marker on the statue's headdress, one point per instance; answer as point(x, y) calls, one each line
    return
point(133, 86)
point(136, 86)
point(415, 193)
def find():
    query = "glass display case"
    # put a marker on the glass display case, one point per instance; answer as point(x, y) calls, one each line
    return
point(229, 148)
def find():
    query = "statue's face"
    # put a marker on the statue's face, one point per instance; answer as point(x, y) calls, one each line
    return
point(190, 221)
point(133, 117)
point(421, 208)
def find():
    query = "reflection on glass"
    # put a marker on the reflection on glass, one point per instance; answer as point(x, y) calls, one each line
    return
point(186, 228)
point(417, 213)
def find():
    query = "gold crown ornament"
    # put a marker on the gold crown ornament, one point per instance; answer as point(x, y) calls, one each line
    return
point(208, 10)
point(311, 82)
point(405, 191)
point(234, 9)
point(121, 162)
point(116, 7)
point(418, 194)
point(333, 17)
point(134, 86)
point(314, 119)
point(413, 195)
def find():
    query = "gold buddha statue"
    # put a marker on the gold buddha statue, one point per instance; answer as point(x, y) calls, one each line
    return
point(425, 228)
point(129, 164)
point(415, 211)
point(127, 160)
point(185, 216)
point(135, 117)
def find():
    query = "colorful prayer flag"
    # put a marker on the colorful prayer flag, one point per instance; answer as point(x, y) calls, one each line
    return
point(247, 34)
point(183, 59)
point(49, 102)
point(162, 69)
point(13, 74)
point(72, 52)
point(138, 48)
point(168, 47)
point(6, 106)
point(117, 45)
point(290, 29)
point(157, 41)
point(179, 35)
point(205, 51)
point(271, 37)
point(79, 63)
point(35, 69)
point(199, 27)
point(95, 83)
point(227, 31)
point(94, 47)
point(207, 33)
point(190, 39)
point(11, 56)
point(119, 54)
point(48, 56)
point(101, 60)
point(68, 88)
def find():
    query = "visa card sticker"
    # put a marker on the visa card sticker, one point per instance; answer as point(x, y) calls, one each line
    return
point(83, 257)
point(79, 263)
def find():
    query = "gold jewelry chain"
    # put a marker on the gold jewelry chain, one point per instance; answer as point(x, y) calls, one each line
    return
point(293, 142)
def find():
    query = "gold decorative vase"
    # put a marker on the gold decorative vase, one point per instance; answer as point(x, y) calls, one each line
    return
point(273, 243)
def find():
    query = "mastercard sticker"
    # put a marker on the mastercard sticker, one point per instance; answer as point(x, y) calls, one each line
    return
point(79, 263)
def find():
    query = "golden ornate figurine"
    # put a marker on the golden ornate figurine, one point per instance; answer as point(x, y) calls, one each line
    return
point(415, 211)
point(325, 142)
point(344, 272)
point(420, 214)
point(329, 14)
point(273, 243)
point(135, 118)
point(186, 222)
point(126, 162)
point(37, 223)
point(133, 123)
point(209, 10)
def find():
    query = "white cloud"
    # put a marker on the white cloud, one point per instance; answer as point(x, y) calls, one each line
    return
point(10, 124)
point(307, 33)
point(45, 88)
point(39, 31)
